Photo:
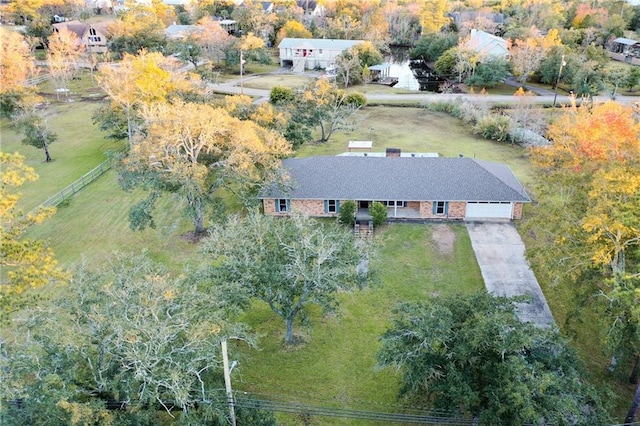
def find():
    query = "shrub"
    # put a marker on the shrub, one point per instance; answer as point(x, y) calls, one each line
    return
point(356, 99)
point(493, 127)
point(439, 106)
point(280, 95)
point(347, 214)
point(379, 213)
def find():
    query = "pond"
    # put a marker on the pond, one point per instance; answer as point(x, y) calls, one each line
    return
point(412, 74)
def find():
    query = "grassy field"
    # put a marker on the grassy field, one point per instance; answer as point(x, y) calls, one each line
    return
point(420, 130)
point(337, 366)
point(79, 148)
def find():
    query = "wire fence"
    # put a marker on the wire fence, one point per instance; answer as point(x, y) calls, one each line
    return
point(76, 186)
point(324, 411)
point(37, 80)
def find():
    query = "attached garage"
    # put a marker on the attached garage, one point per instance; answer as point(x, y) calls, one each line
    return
point(485, 210)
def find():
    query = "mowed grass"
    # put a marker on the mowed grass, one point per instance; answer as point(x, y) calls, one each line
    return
point(336, 366)
point(421, 130)
point(79, 148)
point(94, 223)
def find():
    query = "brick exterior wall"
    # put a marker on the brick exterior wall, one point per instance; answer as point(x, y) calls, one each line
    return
point(306, 207)
point(456, 210)
point(517, 211)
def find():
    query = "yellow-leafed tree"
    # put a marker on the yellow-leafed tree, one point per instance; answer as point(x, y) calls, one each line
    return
point(587, 221)
point(528, 54)
point(143, 79)
point(433, 15)
point(193, 149)
point(16, 66)
point(25, 263)
point(64, 50)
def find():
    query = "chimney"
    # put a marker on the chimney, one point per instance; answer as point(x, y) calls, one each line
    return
point(393, 152)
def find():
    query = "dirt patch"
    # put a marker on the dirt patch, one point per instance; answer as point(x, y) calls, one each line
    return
point(193, 238)
point(444, 238)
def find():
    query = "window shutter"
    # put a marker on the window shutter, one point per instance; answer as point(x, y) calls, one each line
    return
point(288, 204)
point(337, 206)
point(446, 207)
point(434, 207)
point(277, 204)
point(326, 206)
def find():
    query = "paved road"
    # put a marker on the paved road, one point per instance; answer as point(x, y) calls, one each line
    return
point(233, 87)
point(501, 256)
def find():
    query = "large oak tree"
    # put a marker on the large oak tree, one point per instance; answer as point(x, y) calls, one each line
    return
point(288, 263)
point(192, 150)
point(130, 334)
point(473, 355)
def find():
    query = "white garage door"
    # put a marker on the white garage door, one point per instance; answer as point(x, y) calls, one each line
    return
point(489, 210)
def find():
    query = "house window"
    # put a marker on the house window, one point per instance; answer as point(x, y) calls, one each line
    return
point(331, 206)
point(319, 51)
point(283, 205)
point(92, 31)
point(95, 39)
point(440, 207)
point(395, 203)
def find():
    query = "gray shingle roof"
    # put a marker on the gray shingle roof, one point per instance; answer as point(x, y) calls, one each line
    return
point(405, 179)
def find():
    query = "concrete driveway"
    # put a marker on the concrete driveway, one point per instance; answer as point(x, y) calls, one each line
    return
point(501, 255)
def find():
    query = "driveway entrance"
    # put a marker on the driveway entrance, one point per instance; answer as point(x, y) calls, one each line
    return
point(501, 256)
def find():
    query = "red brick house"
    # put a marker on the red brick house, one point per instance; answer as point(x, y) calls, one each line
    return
point(411, 187)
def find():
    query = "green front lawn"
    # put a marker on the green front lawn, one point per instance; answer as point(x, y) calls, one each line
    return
point(336, 366)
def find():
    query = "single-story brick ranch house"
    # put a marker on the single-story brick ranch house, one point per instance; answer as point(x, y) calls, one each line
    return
point(412, 187)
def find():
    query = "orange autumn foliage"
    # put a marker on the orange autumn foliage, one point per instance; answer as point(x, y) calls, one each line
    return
point(588, 138)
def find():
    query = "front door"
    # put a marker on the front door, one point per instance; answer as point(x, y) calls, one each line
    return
point(363, 204)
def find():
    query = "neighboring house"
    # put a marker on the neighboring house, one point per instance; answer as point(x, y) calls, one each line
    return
point(267, 6)
point(229, 25)
point(179, 32)
point(311, 7)
point(416, 188)
point(92, 36)
point(487, 45)
point(311, 53)
point(625, 49)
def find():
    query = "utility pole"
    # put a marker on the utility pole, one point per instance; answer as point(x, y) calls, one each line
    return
point(241, 72)
point(227, 383)
point(555, 96)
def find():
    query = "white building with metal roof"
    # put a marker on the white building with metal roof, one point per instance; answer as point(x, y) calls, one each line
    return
point(311, 53)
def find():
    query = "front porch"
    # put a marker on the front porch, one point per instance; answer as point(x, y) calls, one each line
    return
point(363, 214)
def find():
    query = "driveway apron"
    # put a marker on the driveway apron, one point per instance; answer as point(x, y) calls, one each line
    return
point(501, 256)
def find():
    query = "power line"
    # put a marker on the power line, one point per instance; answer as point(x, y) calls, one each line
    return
point(297, 408)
